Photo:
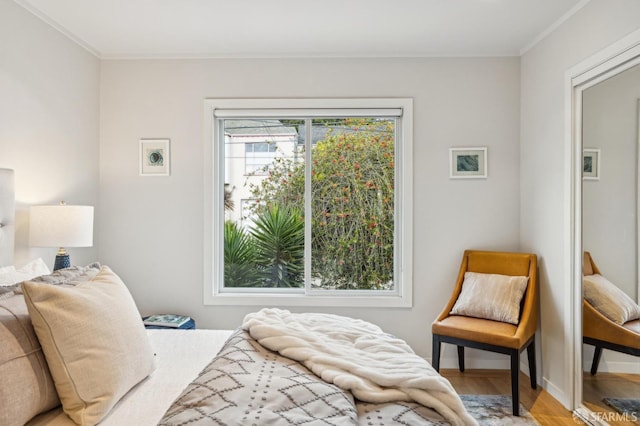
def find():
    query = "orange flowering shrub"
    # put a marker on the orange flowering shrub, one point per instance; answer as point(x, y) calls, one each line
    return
point(352, 203)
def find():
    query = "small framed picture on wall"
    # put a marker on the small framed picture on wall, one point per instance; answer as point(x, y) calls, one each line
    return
point(591, 164)
point(468, 163)
point(155, 157)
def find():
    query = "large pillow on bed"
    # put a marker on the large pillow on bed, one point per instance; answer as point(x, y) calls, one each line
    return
point(73, 275)
point(10, 275)
point(26, 386)
point(491, 296)
point(94, 342)
point(5, 269)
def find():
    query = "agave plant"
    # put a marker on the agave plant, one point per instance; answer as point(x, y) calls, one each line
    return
point(279, 242)
point(240, 269)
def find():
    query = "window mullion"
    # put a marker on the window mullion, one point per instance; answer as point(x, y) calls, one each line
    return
point(219, 175)
point(308, 144)
point(398, 183)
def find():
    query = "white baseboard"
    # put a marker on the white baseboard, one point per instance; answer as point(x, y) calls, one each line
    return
point(496, 364)
point(556, 392)
point(485, 364)
point(611, 362)
point(477, 364)
point(615, 367)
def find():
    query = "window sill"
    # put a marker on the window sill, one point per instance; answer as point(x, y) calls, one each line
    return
point(262, 299)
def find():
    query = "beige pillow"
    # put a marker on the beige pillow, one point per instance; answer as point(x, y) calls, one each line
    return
point(491, 296)
point(93, 340)
point(609, 300)
point(26, 386)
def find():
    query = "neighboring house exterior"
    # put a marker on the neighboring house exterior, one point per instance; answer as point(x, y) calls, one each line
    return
point(251, 146)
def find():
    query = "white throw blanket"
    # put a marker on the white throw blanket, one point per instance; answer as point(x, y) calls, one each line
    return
point(359, 357)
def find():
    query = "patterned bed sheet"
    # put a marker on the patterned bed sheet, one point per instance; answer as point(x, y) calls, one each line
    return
point(247, 384)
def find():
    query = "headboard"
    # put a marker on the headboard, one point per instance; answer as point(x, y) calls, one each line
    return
point(7, 212)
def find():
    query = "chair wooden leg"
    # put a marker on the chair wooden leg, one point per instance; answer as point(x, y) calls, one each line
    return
point(596, 360)
point(515, 370)
point(435, 353)
point(531, 354)
point(461, 358)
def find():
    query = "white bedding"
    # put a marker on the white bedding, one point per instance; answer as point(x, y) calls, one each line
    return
point(180, 356)
point(359, 357)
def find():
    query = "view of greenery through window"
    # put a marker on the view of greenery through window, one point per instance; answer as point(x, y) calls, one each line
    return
point(350, 194)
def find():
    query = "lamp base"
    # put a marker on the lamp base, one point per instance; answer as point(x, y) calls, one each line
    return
point(62, 261)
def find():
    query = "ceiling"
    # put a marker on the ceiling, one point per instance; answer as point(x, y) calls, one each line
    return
point(303, 28)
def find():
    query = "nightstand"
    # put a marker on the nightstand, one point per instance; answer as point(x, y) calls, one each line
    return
point(189, 325)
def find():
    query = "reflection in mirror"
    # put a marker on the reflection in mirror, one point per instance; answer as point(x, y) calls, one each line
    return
point(610, 227)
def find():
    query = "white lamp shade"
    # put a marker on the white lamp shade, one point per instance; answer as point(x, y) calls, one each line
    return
point(61, 226)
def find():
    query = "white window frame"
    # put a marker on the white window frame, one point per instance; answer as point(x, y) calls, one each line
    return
point(214, 109)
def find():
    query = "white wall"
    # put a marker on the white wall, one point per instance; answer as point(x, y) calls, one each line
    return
point(543, 189)
point(151, 229)
point(49, 90)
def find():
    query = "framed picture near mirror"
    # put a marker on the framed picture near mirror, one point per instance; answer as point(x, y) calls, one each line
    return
point(591, 164)
point(465, 163)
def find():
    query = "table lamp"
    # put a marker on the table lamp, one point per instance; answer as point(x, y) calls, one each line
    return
point(61, 226)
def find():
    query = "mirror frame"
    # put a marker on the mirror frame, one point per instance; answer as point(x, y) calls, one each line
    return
point(610, 61)
point(638, 202)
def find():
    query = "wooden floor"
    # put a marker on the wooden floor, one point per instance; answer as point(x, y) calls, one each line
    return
point(611, 385)
point(546, 409)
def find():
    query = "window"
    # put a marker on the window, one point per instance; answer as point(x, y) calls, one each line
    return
point(320, 209)
point(259, 156)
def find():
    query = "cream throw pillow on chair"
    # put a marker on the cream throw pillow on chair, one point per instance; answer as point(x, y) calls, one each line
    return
point(609, 300)
point(491, 296)
point(94, 342)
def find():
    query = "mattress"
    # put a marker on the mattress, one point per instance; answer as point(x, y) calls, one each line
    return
point(180, 356)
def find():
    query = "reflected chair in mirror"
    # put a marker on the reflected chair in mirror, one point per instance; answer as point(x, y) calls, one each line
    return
point(494, 307)
point(598, 326)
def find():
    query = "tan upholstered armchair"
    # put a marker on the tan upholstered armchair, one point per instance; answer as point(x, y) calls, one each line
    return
point(488, 334)
point(603, 333)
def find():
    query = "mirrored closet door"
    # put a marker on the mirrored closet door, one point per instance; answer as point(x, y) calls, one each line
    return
point(610, 229)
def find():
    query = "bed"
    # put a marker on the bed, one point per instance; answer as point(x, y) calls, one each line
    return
point(74, 351)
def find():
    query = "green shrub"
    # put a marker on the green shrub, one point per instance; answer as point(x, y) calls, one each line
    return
point(278, 236)
point(240, 258)
point(352, 204)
